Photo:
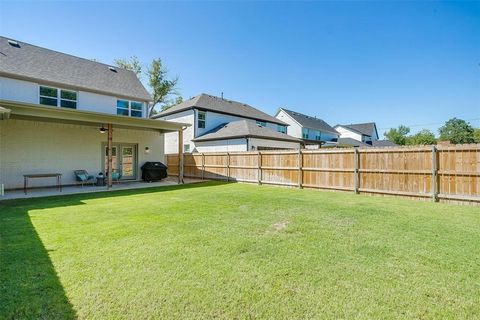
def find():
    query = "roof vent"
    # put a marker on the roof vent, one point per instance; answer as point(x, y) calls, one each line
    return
point(13, 43)
point(112, 69)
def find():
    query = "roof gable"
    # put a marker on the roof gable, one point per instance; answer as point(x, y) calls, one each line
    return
point(309, 122)
point(30, 62)
point(366, 129)
point(216, 104)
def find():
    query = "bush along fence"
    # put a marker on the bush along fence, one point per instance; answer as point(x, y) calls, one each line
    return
point(437, 173)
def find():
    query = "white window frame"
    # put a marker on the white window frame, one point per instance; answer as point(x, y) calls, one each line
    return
point(129, 108)
point(204, 120)
point(58, 97)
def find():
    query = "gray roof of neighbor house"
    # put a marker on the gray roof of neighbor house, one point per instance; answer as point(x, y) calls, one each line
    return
point(29, 62)
point(352, 142)
point(243, 129)
point(362, 128)
point(383, 143)
point(310, 122)
point(216, 104)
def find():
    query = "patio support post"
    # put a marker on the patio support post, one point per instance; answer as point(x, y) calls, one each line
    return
point(110, 159)
point(180, 156)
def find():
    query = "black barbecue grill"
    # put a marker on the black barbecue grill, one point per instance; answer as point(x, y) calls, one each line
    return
point(153, 171)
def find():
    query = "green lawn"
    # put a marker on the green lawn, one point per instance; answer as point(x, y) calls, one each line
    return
point(215, 250)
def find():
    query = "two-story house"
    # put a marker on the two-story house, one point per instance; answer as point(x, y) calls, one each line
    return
point(359, 134)
point(313, 131)
point(218, 124)
point(58, 111)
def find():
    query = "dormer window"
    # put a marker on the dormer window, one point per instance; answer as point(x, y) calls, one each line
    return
point(55, 97)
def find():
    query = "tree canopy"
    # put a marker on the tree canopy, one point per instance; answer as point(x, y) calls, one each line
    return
point(423, 137)
point(457, 131)
point(398, 135)
point(159, 86)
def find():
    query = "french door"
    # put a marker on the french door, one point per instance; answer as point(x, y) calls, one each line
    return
point(124, 160)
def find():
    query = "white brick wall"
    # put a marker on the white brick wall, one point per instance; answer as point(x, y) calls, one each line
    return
point(44, 147)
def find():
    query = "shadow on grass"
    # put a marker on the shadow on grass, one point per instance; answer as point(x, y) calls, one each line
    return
point(29, 285)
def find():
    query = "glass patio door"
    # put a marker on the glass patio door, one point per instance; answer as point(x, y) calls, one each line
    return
point(124, 159)
point(127, 162)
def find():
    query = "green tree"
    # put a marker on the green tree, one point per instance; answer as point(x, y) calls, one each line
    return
point(398, 135)
point(476, 135)
point(172, 102)
point(133, 65)
point(159, 86)
point(457, 131)
point(423, 137)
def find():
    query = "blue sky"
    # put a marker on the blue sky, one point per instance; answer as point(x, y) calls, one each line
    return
point(413, 63)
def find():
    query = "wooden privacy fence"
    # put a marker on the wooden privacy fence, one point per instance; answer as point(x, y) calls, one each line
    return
point(445, 173)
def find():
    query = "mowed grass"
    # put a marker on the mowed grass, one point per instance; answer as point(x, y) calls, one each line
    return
point(237, 251)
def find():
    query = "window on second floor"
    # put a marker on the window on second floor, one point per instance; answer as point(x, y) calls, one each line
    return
point(129, 108)
point(202, 118)
point(304, 133)
point(318, 135)
point(261, 123)
point(55, 97)
point(281, 128)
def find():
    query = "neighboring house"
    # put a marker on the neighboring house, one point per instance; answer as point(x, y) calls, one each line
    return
point(209, 114)
point(363, 132)
point(314, 132)
point(361, 135)
point(244, 135)
point(52, 107)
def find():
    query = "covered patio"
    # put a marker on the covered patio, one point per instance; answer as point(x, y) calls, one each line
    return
point(52, 191)
point(35, 139)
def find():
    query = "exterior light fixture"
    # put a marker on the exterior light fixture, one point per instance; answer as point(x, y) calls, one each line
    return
point(147, 150)
point(103, 129)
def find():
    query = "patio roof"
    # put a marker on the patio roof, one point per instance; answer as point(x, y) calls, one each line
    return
point(39, 112)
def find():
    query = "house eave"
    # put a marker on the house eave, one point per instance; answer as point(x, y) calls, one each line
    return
point(27, 111)
point(247, 137)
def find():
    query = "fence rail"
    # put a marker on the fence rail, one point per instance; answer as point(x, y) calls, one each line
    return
point(439, 173)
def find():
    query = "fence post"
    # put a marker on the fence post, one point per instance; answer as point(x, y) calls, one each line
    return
point(259, 163)
point(228, 166)
point(180, 156)
point(355, 171)
point(203, 166)
point(300, 171)
point(434, 174)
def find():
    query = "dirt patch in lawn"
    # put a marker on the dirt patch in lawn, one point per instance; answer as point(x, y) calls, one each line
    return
point(278, 226)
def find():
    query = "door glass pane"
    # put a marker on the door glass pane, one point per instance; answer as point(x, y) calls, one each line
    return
point(114, 159)
point(127, 161)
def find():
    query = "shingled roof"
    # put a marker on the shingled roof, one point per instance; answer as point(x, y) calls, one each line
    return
point(309, 121)
point(25, 61)
point(362, 128)
point(216, 104)
point(244, 129)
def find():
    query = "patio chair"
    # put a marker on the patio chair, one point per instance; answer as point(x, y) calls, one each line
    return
point(116, 176)
point(83, 177)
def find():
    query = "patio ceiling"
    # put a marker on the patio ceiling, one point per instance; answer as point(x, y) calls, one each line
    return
point(39, 112)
